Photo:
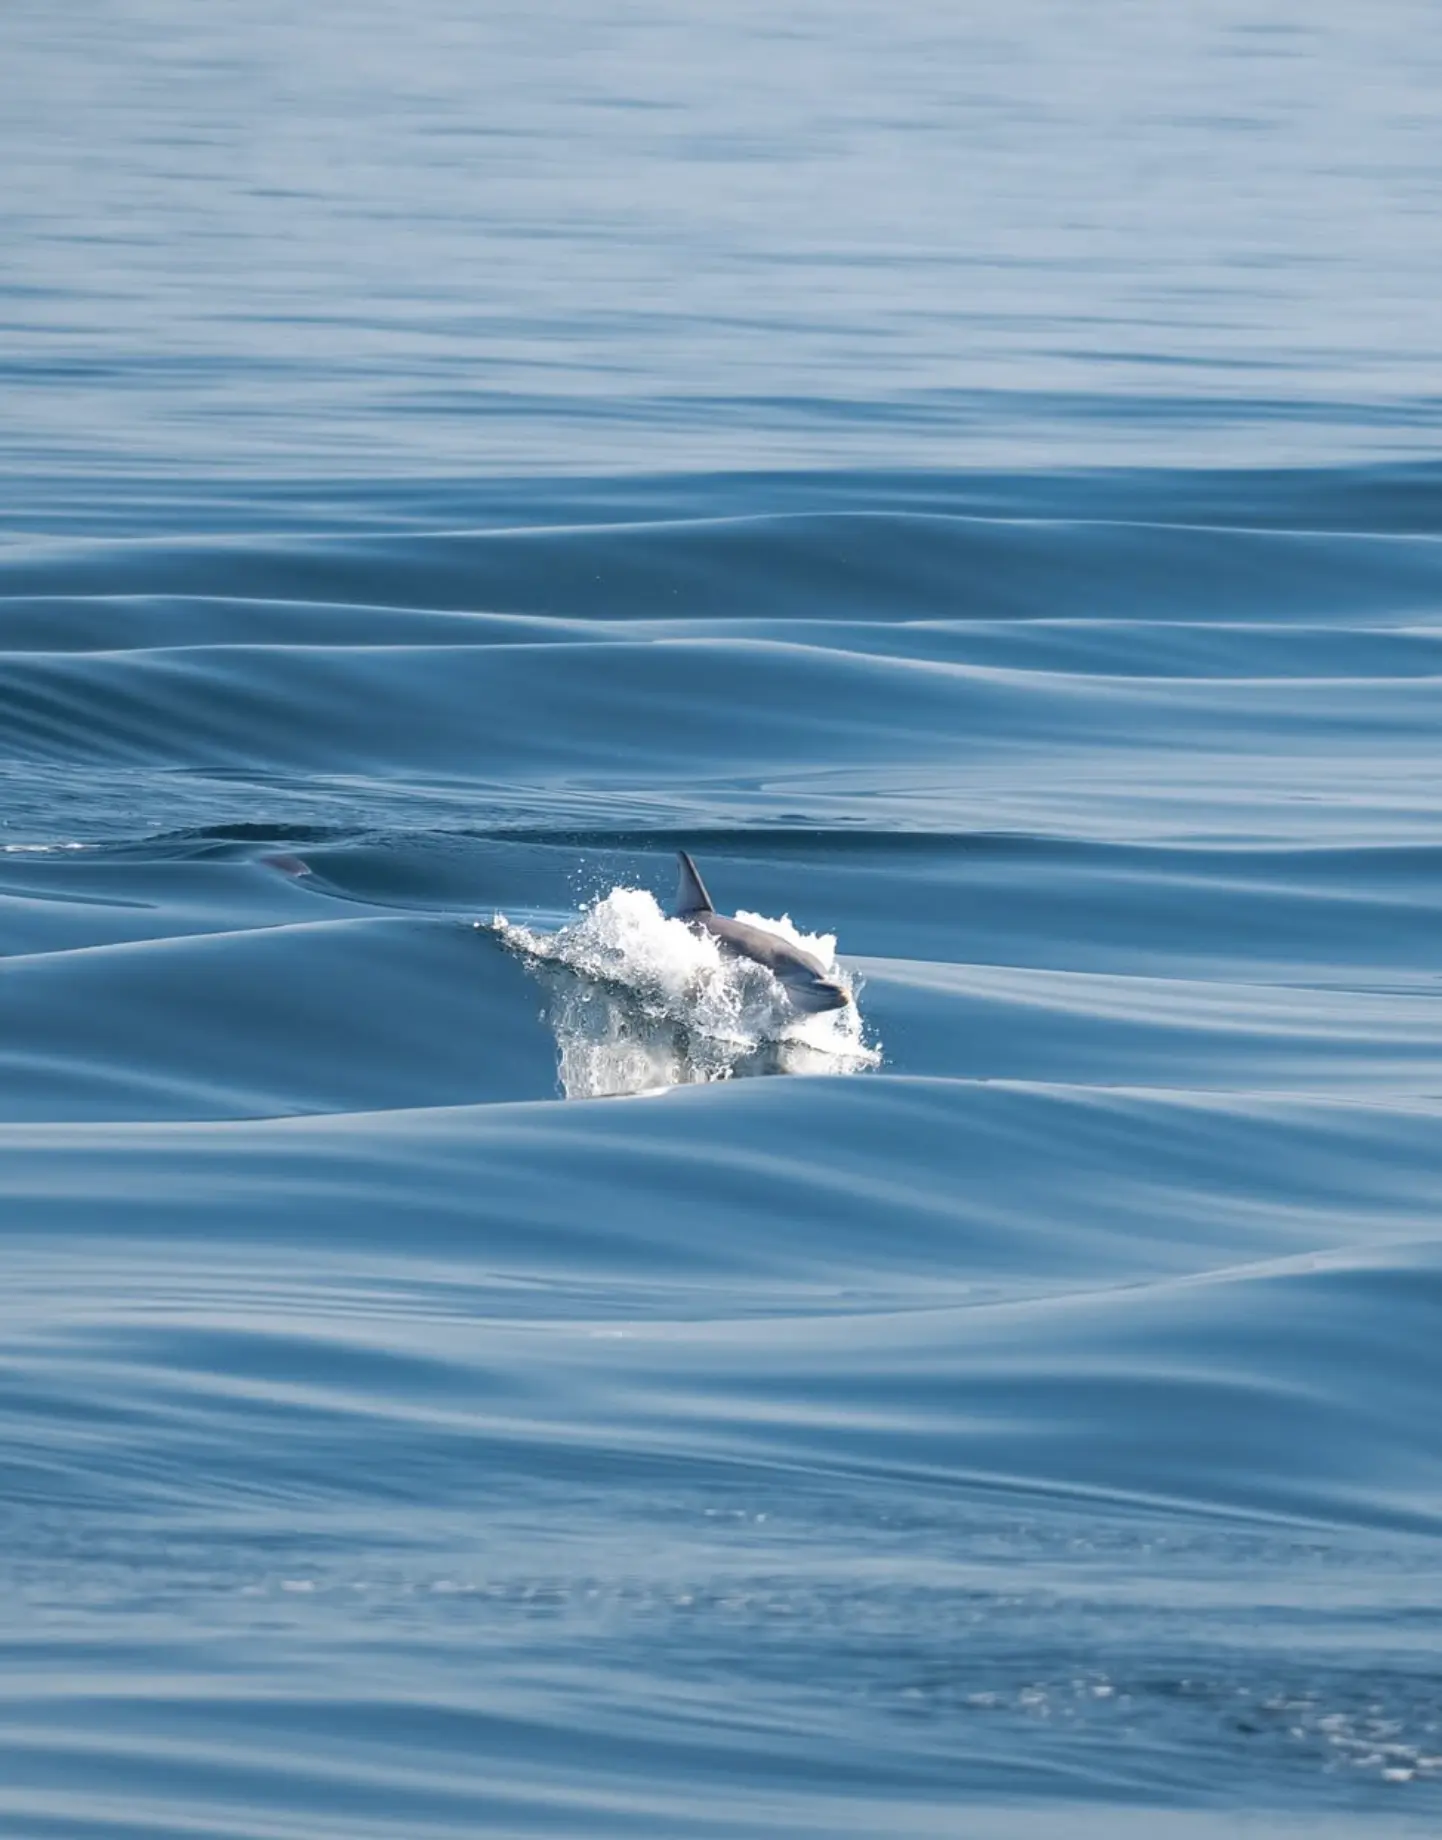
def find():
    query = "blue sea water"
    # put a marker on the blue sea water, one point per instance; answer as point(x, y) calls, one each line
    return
point(971, 476)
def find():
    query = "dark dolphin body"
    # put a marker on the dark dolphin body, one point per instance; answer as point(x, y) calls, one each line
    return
point(803, 977)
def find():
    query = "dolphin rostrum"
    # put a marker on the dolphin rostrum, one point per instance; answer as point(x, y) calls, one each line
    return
point(803, 977)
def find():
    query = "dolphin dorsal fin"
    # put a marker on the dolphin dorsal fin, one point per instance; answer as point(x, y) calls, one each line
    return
point(691, 895)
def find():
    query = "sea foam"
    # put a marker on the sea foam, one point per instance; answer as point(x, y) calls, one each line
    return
point(639, 1002)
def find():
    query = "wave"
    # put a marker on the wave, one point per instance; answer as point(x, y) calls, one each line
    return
point(1044, 1417)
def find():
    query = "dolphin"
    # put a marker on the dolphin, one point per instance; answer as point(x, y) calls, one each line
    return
point(804, 978)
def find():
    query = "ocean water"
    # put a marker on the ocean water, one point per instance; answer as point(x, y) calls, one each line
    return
point(471, 1361)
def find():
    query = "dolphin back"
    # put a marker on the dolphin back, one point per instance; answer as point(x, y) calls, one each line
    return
point(691, 895)
point(810, 985)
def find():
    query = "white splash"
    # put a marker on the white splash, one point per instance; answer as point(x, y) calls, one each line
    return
point(639, 1002)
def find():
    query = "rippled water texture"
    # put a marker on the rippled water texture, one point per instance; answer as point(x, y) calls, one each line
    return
point(968, 479)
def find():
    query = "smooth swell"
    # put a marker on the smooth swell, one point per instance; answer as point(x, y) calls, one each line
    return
point(1043, 1420)
point(473, 1364)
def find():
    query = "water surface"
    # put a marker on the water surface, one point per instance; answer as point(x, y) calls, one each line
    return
point(972, 482)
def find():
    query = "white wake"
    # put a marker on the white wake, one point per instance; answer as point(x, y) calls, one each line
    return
point(638, 1002)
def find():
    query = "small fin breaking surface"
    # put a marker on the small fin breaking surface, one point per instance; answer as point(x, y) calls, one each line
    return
point(691, 895)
